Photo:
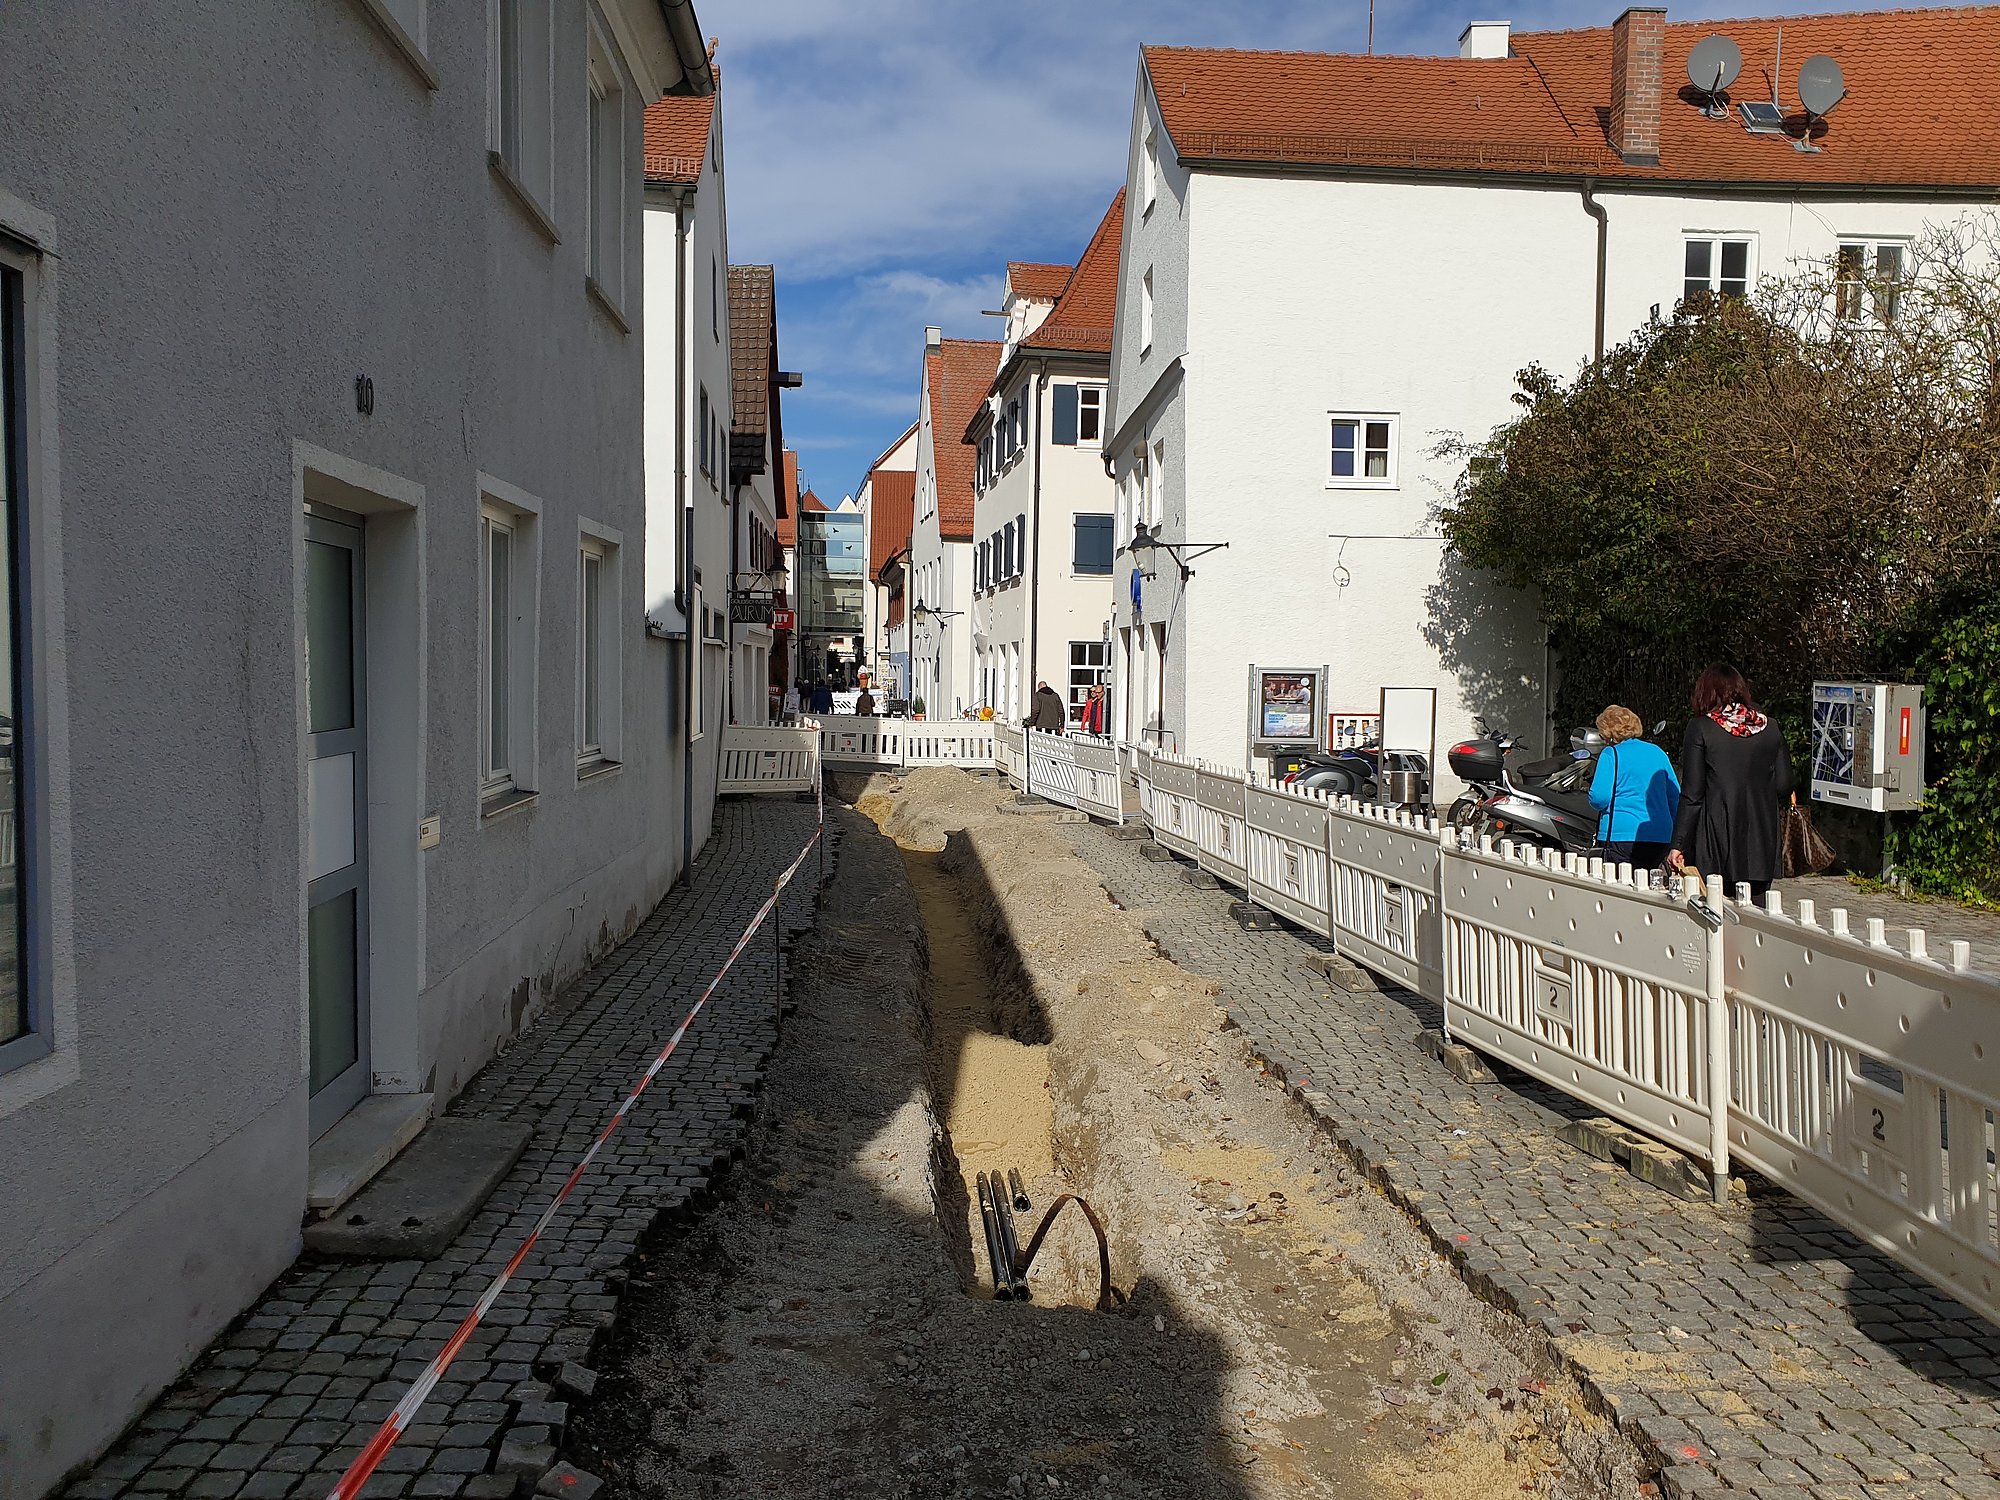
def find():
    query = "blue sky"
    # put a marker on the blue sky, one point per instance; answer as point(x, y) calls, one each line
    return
point(891, 156)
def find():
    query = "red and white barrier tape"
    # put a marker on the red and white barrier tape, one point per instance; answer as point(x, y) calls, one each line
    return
point(364, 1465)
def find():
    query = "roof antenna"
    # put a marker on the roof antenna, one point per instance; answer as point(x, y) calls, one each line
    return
point(1776, 66)
point(1371, 28)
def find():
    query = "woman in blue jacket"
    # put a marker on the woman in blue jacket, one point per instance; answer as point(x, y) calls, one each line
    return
point(1636, 792)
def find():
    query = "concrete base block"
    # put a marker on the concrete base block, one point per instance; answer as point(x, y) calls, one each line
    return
point(1253, 918)
point(1462, 1063)
point(1066, 815)
point(1645, 1158)
point(1159, 854)
point(1344, 973)
point(416, 1208)
point(1129, 832)
point(1666, 1169)
point(1201, 880)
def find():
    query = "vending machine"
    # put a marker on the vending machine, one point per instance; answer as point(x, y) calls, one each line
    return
point(1868, 745)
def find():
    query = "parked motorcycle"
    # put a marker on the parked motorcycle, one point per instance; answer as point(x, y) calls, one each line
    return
point(1358, 773)
point(1543, 802)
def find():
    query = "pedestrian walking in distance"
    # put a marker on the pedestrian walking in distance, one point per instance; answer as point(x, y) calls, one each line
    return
point(1636, 792)
point(865, 704)
point(822, 700)
point(1049, 712)
point(1735, 776)
point(1093, 710)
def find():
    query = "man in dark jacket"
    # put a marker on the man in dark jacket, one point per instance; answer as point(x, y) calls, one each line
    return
point(1049, 714)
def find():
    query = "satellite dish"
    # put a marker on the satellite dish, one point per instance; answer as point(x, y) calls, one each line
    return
point(1821, 87)
point(1712, 67)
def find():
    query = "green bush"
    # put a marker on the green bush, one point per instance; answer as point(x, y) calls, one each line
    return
point(1952, 847)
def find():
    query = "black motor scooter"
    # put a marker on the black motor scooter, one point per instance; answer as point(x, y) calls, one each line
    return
point(1542, 802)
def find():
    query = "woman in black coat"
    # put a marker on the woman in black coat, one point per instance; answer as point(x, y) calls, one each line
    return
point(1735, 776)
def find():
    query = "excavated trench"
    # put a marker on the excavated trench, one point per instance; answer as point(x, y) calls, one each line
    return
point(972, 1002)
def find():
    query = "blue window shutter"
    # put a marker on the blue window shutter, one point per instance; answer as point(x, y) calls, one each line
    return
point(1062, 429)
point(1093, 544)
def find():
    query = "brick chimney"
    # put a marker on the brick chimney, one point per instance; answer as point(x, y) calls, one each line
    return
point(1638, 72)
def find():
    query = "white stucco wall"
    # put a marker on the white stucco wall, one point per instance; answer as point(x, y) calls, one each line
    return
point(1050, 605)
point(225, 277)
point(941, 576)
point(1294, 297)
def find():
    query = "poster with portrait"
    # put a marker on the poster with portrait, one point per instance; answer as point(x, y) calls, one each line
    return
point(1287, 706)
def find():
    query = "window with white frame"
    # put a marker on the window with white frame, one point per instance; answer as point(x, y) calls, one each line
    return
point(604, 147)
point(1869, 280)
point(1089, 667)
point(1142, 487)
point(1146, 311)
point(1090, 415)
point(1364, 450)
point(1156, 484)
point(1718, 265)
point(1150, 179)
point(507, 639)
point(598, 649)
point(523, 103)
point(23, 1033)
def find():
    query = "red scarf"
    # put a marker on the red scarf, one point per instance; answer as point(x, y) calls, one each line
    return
point(1740, 719)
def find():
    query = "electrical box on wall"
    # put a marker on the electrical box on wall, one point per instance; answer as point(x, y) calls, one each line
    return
point(1868, 745)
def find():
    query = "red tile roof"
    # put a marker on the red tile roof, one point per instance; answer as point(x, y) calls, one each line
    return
point(1083, 314)
point(957, 376)
point(1923, 105)
point(788, 501)
point(677, 137)
point(1031, 278)
point(810, 501)
point(891, 500)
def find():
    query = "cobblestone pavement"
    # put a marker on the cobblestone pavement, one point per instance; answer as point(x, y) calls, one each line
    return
point(1756, 1348)
point(1941, 921)
point(289, 1395)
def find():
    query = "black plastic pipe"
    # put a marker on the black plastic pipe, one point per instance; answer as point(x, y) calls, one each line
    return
point(1003, 1283)
point(1022, 1203)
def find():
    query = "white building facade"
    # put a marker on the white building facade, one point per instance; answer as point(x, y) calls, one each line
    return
point(957, 374)
point(885, 499)
point(1042, 521)
point(335, 711)
point(1306, 308)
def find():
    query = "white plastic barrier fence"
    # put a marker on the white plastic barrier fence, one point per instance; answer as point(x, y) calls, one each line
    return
point(1176, 819)
point(1384, 884)
point(1051, 767)
point(1008, 757)
point(768, 760)
point(868, 741)
point(1224, 834)
point(1851, 1073)
point(1288, 865)
point(1100, 789)
point(1867, 1080)
point(1584, 978)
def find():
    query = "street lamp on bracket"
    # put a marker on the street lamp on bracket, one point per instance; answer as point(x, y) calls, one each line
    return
point(1144, 541)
